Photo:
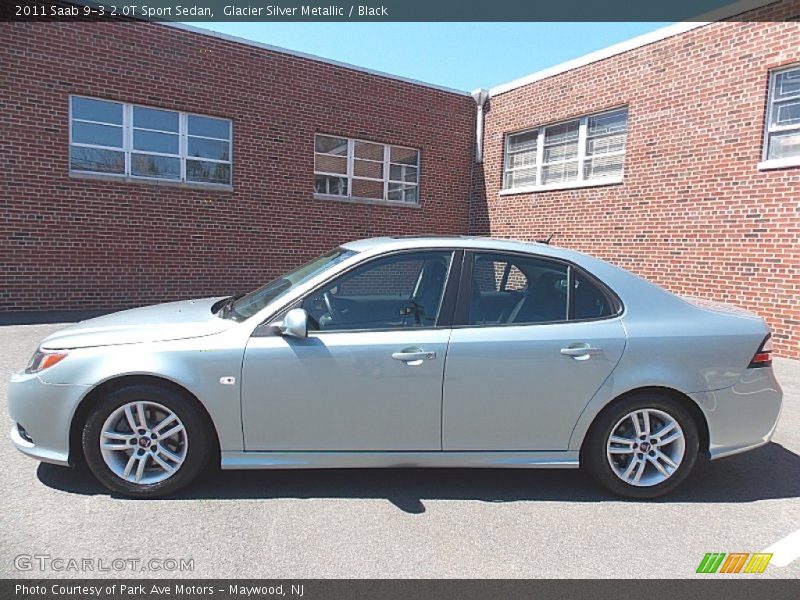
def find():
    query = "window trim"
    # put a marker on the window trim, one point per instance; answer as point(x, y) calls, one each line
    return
point(461, 316)
point(349, 176)
point(580, 158)
point(776, 163)
point(128, 150)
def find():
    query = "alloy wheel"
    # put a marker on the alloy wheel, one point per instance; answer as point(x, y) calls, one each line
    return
point(143, 442)
point(646, 447)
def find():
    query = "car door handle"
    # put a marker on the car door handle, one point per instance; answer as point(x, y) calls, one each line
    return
point(414, 355)
point(581, 351)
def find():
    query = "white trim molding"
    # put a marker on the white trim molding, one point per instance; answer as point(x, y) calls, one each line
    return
point(646, 39)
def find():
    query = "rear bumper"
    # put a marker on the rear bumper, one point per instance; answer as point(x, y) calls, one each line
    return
point(744, 416)
point(45, 410)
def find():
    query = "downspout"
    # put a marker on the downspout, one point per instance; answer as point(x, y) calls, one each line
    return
point(480, 96)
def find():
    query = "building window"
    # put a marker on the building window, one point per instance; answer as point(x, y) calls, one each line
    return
point(782, 136)
point(113, 138)
point(365, 170)
point(585, 151)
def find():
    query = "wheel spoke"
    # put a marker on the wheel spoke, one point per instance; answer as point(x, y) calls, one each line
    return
point(661, 456)
point(631, 466)
point(636, 425)
point(140, 468)
point(639, 471)
point(164, 422)
point(129, 417)
point(669, 439)
point(617, 450)
point(129, 466)
point(115, 441)
point(141, 415)
point(646, 422)
point(164, 464)
point(177, 429)
point(655, 462)
point(173, 457)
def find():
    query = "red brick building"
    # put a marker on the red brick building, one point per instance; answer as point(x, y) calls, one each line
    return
point(144, 163)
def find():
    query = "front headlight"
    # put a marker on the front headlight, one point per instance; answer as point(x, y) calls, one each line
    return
point(44, 360)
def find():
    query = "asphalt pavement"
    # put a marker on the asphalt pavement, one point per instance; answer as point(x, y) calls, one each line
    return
point(395, 523)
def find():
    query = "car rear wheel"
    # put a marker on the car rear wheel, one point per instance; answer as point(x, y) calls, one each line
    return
point(145, 441)
point(642, 447)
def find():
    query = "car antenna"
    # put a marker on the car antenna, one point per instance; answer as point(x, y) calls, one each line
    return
point(547, 241)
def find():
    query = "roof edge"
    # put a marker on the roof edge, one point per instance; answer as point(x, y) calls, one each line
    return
point(640, 41)
point(240, 40)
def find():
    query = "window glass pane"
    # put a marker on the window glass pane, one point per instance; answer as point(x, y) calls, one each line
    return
point(402, 192)
point(330, 145)
point(406, 156)
point(786, 113)
point(561, 134)
point(535, 290)
point(208, 172)
point(521, 178)
point(151, 118)
point(98, 161)
point(367, 168)
point(403, 173)
point(368, 150)
point(325, 184)
point(588, 302)
point(97, 110)
point(389, 293)
point(208, 127)
point(364, 188)
point(560, 172)
point(521, 159)
point(162, 167)
point(606, 123)
point(787, 84)
point(784, 145)
point(523, 142)
point(100, 135)
point(603, 166)
point(330, 164)
point(151, 141)
point(205, 148)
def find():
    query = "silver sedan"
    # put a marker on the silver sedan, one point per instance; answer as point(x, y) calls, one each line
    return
point(407, 352)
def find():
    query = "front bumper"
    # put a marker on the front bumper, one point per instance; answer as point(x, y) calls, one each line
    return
point(45, 410)
point(744, 416)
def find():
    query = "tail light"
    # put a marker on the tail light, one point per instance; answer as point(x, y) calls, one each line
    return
point(763, 358)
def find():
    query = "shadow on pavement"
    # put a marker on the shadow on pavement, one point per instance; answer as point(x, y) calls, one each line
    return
point(771, 472)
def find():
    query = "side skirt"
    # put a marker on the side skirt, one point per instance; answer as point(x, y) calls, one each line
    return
point(372, 460)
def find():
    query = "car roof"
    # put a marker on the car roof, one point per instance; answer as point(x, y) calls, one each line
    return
point(449, 241)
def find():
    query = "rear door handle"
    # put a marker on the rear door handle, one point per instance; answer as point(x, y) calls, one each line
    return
point(581, 351)
point(413, 356)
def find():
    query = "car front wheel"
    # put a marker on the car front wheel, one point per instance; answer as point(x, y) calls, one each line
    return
point(145, 441)
point(642, 447)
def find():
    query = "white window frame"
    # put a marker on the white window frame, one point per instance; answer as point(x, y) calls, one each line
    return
point(350, 175)
point(769, 129)
point(580, 158)
point(128, 150)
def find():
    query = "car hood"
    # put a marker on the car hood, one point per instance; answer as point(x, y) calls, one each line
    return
point(162, 322)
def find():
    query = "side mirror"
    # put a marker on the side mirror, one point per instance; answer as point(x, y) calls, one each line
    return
point(294, 324)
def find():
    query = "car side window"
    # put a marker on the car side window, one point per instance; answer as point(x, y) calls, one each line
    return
point(588, 301)
point(520, 290)
point(399, 291)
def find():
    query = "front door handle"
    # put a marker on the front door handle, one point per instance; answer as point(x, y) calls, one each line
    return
point(581, 351)
point(413, 356)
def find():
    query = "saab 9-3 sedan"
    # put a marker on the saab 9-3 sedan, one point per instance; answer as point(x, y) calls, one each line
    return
point(407, 352)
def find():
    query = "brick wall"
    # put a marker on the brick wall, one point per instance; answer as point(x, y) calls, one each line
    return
point(79, 243)
point(693, 214)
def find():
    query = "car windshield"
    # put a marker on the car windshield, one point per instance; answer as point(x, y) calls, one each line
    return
point(249, 304)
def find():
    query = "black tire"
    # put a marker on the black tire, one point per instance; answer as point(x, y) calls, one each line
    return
point(595, 460)
point(198, 450)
